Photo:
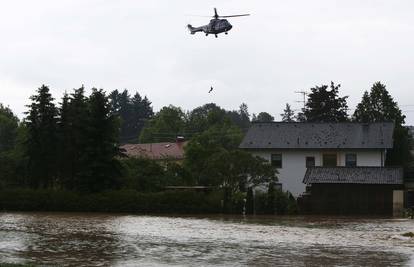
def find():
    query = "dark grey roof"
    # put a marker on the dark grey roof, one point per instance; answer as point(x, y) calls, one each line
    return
point(318, 135)
point(353, 175)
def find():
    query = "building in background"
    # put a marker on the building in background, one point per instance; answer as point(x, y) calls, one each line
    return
point(165, 151)
point(292, 147)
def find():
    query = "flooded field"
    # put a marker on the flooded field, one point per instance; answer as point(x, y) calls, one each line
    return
point(73, 239)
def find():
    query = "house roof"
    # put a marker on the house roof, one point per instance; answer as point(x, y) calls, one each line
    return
point(353, 175)
point(156, 151)
point(303, 135)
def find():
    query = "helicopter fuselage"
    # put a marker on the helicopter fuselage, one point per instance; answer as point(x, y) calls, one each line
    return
point(215, 26)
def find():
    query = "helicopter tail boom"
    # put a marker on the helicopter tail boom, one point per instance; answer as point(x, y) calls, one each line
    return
point(193, 30)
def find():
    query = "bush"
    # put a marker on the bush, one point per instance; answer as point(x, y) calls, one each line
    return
point(111, 201)
point(187, 201)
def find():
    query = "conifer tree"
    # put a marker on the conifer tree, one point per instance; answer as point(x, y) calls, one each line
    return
point(288, 114)
point(133, 113)
point(42, 139)
point(379, 106)
point(73, 123)
point(65, 144)
point(240, 117)
point(100, 168)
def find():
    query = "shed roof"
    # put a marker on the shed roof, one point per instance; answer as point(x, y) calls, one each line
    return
point(157, 151)
point(353, 175)
point(304, 135)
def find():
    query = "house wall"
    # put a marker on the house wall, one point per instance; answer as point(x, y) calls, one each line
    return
point(294, 163)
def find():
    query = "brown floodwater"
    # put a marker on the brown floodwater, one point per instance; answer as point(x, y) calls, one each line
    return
point(84, 239)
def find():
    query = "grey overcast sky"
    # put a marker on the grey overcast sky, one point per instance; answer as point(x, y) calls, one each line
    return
point(283, 47)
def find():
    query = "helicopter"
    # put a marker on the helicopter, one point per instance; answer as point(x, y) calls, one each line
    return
point(216, 25)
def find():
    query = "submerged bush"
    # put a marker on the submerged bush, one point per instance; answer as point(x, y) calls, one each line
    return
point(111, 201)
point(186, 201)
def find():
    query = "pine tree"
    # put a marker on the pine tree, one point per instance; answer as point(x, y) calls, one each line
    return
point(288, 114)
point(42, 139)
point(363, 110)
point(65, 144)
point(141, 113)
point(379, 106)
point(100, 169)
point(325, 105)
point(133, 113)
point(73, 122)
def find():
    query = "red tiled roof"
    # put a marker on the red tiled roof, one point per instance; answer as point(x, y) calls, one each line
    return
point(156, 150)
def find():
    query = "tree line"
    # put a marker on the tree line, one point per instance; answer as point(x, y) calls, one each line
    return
point(75, 145)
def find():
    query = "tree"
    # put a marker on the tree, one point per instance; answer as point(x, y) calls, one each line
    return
point(100, 168)
point(8, 128)
point(9, 155)
point(164, 126)
point(72, 125)
point(238, 170)
point(65, 144)
point(144, 175)
point(42, 139)
point(241, 117)
point(133, 113)
point(202, 118)
point(379, 106)
point(263, 117)
point(325, 105)
point(271, 198)
point(363, 112)
point(203, 146)
point(288, 114)
point(141, 113)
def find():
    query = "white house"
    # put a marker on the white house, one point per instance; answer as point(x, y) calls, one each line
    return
point(293, 147)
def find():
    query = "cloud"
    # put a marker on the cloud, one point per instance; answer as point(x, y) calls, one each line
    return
point(284, 46)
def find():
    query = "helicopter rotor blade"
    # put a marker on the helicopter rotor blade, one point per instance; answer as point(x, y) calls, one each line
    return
point(202, 16)
point(215, 13)
point(232, 16)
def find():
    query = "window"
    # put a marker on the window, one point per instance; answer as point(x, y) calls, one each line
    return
point(276, 160)
point(329, 160)
point(350, 160)
point(310, 162)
